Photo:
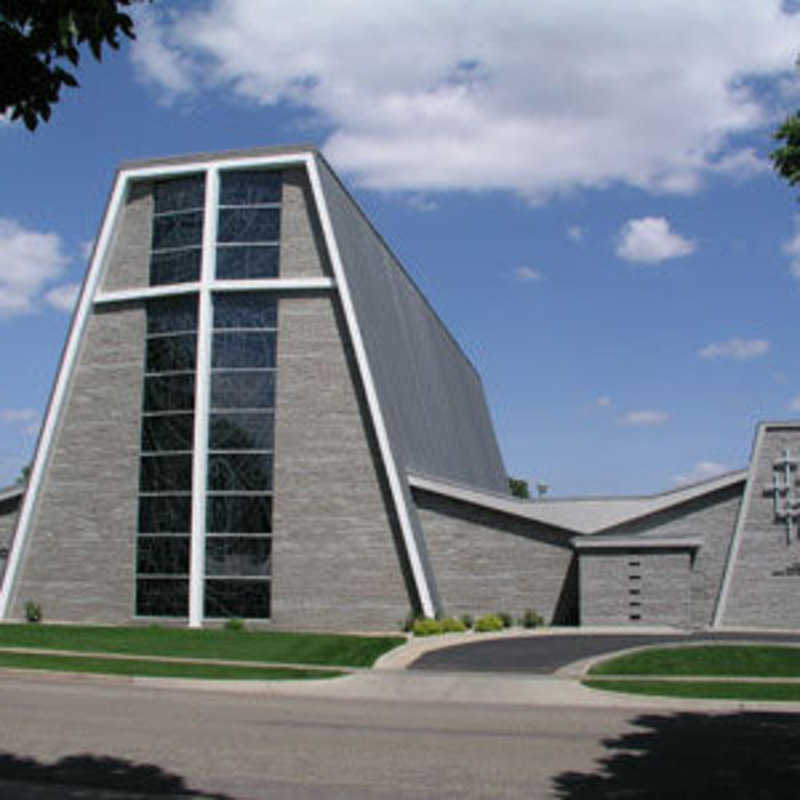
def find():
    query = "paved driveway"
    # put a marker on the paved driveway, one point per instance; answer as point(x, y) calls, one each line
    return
point(546, 654)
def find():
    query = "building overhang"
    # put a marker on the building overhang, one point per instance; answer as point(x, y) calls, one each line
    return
point(584, 515)
point(10, 492)
point(593, 543)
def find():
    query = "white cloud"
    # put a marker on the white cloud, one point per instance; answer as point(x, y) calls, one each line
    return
point(156, 61)
point(18, 415)
point(86, 249)
point(30, 260)
point(644, 417)
point(792, 249)
point(538, 98)
point(63, 297)
point(575, 233)
point(701, 471)
point(528, 274)
point(419, 202)
point(650, 240)
point(741, 164)
point(735, 348)
point(604, 401)
point(794, 403)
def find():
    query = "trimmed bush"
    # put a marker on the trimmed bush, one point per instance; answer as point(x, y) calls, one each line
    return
point(408, 623)
point(505, 618)
point(234, 624)
point(467, 620)
point(452, 625)
point(530, 619)
point(488, 622)
point(427, 627)
point(33, 611)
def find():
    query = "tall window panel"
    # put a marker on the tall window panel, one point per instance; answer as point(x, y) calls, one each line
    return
point(178, 205)
point(248, 225)
point(165, 471)
point(240, 455)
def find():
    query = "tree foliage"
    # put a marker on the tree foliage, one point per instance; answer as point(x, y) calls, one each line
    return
point(786, 159)
point(40, 38)
point(519, 488)
point(24, 475)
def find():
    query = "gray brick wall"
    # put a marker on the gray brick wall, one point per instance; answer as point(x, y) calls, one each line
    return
point(127, 264)
point(485, 561)
point(334, 559)
point(765, 581)
point(79, 557)
point(618, 585)
point(303, 252)
point(711, 517)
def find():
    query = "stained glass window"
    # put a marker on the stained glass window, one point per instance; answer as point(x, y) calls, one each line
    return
point(237, 598)
point(162, 597)
point(178, 205)
point(249, 224)
point(165, 471)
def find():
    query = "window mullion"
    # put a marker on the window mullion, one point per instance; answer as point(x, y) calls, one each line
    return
point(202, 400)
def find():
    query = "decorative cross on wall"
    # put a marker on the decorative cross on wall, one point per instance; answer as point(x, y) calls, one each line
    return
point(786, 500)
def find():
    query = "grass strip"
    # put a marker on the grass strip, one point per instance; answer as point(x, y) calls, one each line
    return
point(158, 669)
point(321, 649)
point(721, 660)
point(702, 689)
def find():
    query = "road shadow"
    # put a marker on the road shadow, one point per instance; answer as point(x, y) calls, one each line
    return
point(739, 756)
point(90, 777)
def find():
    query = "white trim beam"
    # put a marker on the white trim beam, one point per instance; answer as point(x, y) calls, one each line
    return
point(381, 433)
point(249, 285)
point(202, 392)
point(68, 361)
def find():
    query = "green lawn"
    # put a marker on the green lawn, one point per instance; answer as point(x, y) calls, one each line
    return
point(761, 661)
point(701, 689)
point(157, 669)
point(299, 648)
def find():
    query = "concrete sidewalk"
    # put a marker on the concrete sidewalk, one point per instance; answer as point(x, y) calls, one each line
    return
point(391, 681)
point(465, 688)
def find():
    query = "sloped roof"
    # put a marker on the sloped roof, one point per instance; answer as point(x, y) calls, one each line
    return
point(10, 492)
point(430, 394)
point(585, 515)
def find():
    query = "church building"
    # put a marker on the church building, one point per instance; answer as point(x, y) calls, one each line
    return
point(257, 414)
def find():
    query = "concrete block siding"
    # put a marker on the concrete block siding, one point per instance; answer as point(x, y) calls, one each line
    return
point(127, 265)
point(765, 568)
point(485, 561)
point(334, 556)
point(713, 518)
point(630, 586)
point(79, 559)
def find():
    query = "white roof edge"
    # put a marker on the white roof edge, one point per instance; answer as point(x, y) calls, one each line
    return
point(638, 542)
point(11, 491)
point(566, 513)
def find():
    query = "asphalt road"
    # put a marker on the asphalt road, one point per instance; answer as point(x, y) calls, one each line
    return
point(545, 654)
point(87, 740)
point(90, 741)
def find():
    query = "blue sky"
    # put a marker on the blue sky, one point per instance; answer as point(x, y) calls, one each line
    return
point(584, 197)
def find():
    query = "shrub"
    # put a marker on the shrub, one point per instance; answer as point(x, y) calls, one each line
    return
point(488, 622)
point(505, 618)
point(427, 627)
point(530, 619)
point(452, 625)
point(33, 611)
point(467, 620)
point(408, 623)
point(234, 624)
